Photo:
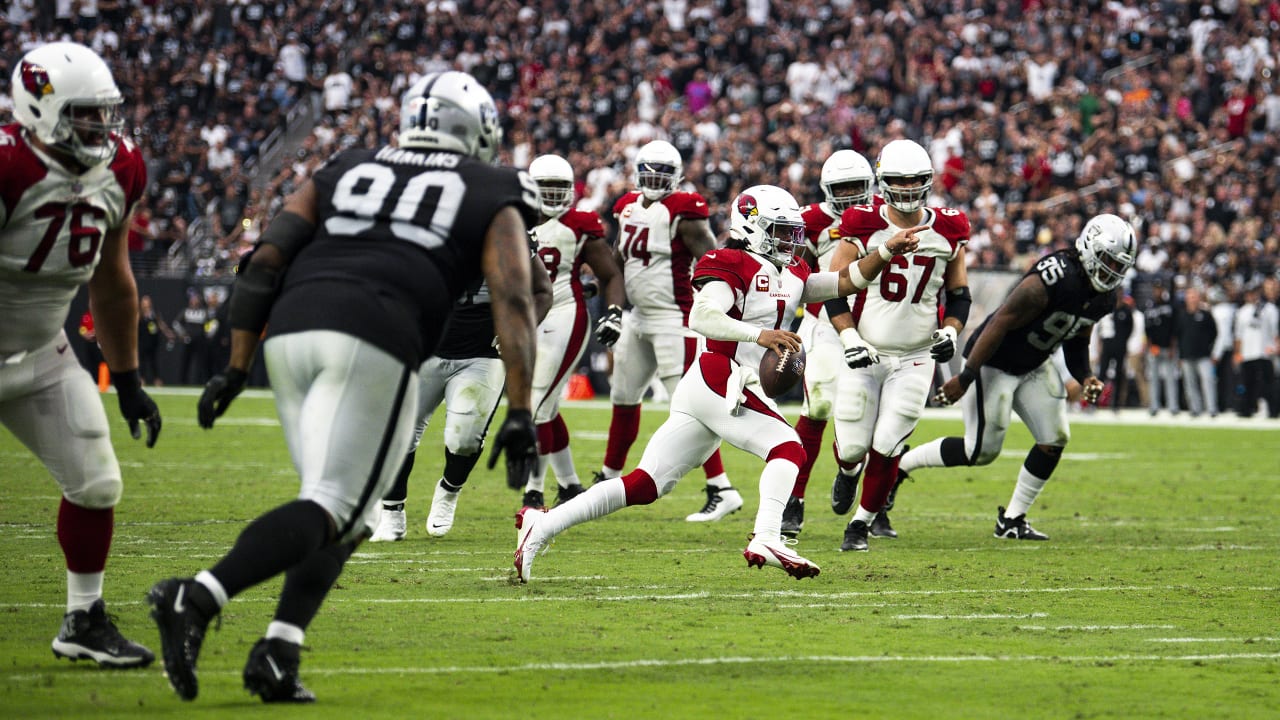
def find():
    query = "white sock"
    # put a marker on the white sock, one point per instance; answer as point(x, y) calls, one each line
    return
point(210, 583)
point(721, 482)
point(1025, 493)
point(864, 515)
point(287, 632)
point(562, 464)
point(83, 590)
point(610, 473)
point(538, 478)
point(776, 482)
point(927, 455)
point(598, 500)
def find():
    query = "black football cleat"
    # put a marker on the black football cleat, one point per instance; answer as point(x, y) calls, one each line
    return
point(880, 526)
point(793, 517)
point(92, 635)
point(1016, 528)
point(565, 494)
point(182, 627)
point(855, 537)
point(272, 672)
point(844, 490)
point(533, 499)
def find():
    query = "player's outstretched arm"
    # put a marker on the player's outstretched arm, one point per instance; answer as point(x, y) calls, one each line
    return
point(1023, 305)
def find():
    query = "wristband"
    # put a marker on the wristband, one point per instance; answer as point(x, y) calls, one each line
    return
point(967, 376)
point(885, 253)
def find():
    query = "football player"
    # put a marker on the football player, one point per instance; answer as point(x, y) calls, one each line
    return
point(846, 181)
point(891, 337)
point(378, 242)
point(566, 239)
point(1008, 360)
point(662, 232)
point(69, 181)
point(745, 293)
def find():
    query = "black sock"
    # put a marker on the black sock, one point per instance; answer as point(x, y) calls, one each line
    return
point(953, 452)
point(308, 582)
point(457, 468)
point(272, 544)
point(399, 492)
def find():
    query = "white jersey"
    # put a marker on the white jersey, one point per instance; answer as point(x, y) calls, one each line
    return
point(656, 264)
point(898, 313)
point(52, 225)
point(764, 296)
point(560, 242)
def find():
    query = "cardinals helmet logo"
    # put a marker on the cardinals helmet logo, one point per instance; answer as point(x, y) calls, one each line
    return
point(35, 79)
point(747, 206)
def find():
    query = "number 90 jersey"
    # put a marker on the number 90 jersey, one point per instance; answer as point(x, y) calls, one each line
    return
point(898, 312)
point(656, 265)
point(52, 225)
point(399, 237)
point(1073, 307)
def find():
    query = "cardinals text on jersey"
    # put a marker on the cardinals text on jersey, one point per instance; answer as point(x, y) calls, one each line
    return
point(898, 313)
point(53, 222)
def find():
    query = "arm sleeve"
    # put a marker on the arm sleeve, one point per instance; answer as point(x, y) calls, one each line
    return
point(710, 315)
point(1075, 353)
point(821, 286)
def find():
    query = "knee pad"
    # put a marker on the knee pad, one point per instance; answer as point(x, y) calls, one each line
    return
point(97, 493)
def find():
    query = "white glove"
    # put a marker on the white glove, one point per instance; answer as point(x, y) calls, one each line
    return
point(857, 353)
point(944, 344)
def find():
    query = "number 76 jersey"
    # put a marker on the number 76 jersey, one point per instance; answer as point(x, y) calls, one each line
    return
point(1073, 307)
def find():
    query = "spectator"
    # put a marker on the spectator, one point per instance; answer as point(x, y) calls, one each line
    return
point(1161, 351)
point(1256, 330)
point(1197, 335)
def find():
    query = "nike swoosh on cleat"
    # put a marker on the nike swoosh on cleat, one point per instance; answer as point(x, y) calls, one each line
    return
point(275, 669)
point(178, 604)
point(434, 526)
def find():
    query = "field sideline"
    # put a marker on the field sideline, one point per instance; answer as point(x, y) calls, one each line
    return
point(1155, 597)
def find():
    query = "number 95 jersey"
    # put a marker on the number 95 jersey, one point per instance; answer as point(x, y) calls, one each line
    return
point(1073, 307)
point(399, 236)
point(52, 225)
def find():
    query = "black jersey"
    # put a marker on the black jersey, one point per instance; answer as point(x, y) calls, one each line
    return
point(470, 333)
point(1073, 307)
point(399, 236)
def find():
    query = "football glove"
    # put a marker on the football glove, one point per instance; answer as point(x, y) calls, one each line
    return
point(590, 288)
point(609, 328)
point(218, 394)
point(857, 353)
point(944, 344)
point(136, 405)
point(519, 439)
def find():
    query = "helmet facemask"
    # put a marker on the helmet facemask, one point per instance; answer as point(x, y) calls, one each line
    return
point(906, 193)
point(778, 240)
point(90, 131)
point(845, 194)
point(556, 196)
point(657, 180)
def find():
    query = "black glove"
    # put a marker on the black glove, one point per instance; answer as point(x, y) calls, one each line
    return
point(519, 439)
point(609, 328)
point(136, 404)
point(218, 394)
point(944, 344)
point(590, 288)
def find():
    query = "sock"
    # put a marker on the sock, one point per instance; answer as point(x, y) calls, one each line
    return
point(943, 452)
point(878, 479)
point(610, 473)
point(623, 430)
point(537, 478)
point(776, 481)
point(307, 583)
point(399, 491)
point(85, 536)
point(83, 590)
point(597, 501)
point(272, 544)
point(210, 583)
point(714, 469)
point(562, 462)
point(720, 482)
point(457, 468)
point(284, 631)
point(1034, 473)
point(810, 432)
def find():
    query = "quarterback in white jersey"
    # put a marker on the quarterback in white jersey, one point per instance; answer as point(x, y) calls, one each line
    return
point(846, 181)
point(566, 239)
point(68, 186)
point(745, 293)
point(661, 234)
point(892, 337)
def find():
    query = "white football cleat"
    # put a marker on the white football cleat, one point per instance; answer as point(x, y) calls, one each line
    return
point(440, 519)
point(391, 526)
point(760, 553)
point(529, 542)
point(720, 503)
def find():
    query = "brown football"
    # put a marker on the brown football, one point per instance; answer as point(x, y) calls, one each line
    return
point(780, 373)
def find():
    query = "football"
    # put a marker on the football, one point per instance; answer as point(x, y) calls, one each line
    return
point(780, 372)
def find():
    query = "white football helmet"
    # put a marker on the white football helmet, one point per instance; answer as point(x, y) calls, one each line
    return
point(904, 162)
point(554, 176)
point(846, 180)
point(450, 111)
point(767, 219)
point(1107, 248)
point(659, 169)
point(64, 95)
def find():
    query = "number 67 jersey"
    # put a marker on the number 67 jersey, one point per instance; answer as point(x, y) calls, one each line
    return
point(1073, 307)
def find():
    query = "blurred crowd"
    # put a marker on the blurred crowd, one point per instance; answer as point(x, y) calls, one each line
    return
point(1036, 113)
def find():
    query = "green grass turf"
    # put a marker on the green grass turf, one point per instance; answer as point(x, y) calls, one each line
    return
point(1156, 596)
